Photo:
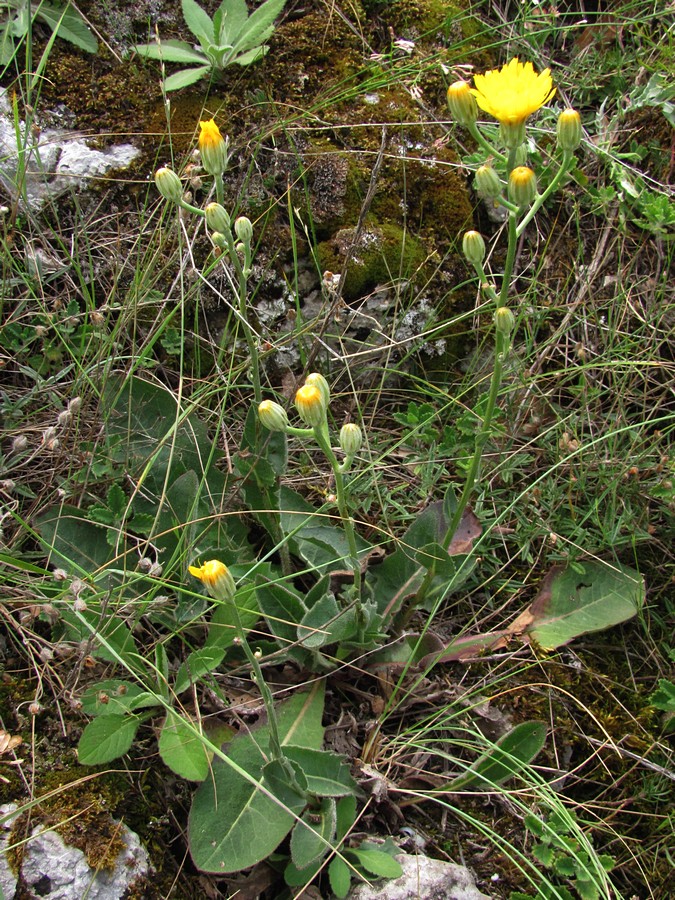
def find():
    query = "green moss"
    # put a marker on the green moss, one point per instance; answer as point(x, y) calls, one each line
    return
point(384, 253)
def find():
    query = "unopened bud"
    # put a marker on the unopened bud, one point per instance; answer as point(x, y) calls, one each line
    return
point(569, 130)
point(272, 416)
point(213, 148)
point(488, 183)
point(317, 380)
point(473, 246)
point(169, 184)
point(217, 218)
point(504, 320)
point(310, 406)
point(462, 103)
point(351, 439)
point(522, 186)
point(217, 579)
point(244, 230)
point(19, 443)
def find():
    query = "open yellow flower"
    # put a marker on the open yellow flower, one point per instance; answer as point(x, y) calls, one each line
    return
point(514, 92)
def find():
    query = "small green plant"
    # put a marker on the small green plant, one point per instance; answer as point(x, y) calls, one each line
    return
point(232, 37)
point(559, 849)
point(17, 17)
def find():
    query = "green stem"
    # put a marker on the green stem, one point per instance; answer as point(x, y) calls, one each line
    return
point(265, 693)
point(481, 141)
point(565, 166)
point(510, 259)
point(322, 439)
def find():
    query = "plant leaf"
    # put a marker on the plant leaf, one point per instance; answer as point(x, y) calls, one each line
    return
point(327, 773)
point(259, 26)
point(340, 877)
point(68, 24)
point(199, 22)
point(106, 738)
point(199, 663)
point(510, 755)
point(182, 750)
point(376, 862)
point(312, 835)
point(115, 697)
point(170, 51)
point(185, 78)
point(229, 20)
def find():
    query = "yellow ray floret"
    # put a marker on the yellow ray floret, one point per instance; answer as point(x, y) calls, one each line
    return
point(514, 92)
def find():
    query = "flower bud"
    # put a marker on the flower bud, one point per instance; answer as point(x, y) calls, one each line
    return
point(219, 239)
point(317, 380)
point(217, 218)
point(310, 406)
point(512, 134)
point(520, 156)
point(169, 185)
point(569, 130)
point(244, 230)
point(351, 439)
point(272, 416)
point(217, 579)
point(462, 103)
point(488, 183)
point(522, 186)
point(504, 320)
point(213, 148)
point(473, 246)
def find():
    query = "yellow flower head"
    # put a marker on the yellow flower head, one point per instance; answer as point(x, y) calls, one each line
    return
point(212, 147)
point(514, 92)
point(217, 579)
point(310, 406)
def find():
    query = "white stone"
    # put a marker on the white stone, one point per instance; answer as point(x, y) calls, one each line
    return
point(57, 160)
point(423, 879)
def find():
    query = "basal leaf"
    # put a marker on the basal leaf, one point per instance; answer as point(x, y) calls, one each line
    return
point(312, 835)
point(377, 862)
point(185, 78)
point(340, 877)
point(106, 738)
point(170, 51)
point(510, 755)
point(198, 21)
point(182, 750)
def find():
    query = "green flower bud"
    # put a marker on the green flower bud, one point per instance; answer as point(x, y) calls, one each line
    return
point(505, 321)
point(522, 186)
point(569, 130)
point(273, 416)
point(513, 134)
point(169, 184)
point(473, 246)
point(351, 439)
point(219, 240)
point(244, 230)
point(520, 158)
point(317, 380)
point(217, 218)
point(462, 103)
point(488, 183)
point(310, 406)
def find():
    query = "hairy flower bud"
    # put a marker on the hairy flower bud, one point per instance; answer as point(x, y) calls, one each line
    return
point(462, 103)
point(169, 185)
point(569, 130)
point(272, 416)
point(213, 148)
point(217, 218)
point(244, 230)
point(351, 439)
point(217, 579)
point(488, 183)
point(504, 320)
point(310, 406)
point(317, 380)
point(522, 186)
point(473, 246)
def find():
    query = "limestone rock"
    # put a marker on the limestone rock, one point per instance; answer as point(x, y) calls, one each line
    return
point(423, 879)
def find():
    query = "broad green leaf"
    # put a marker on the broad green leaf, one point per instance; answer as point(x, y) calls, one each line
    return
point(664, 696)
point(198, 21)
point(222, 631)
point(235, 824)
point(182, 750)
point(185, 78)
point(106, 738)
point(510, 755)
point(282, 607)
point(259, 26)
point(229, 20)
point(571, 604)
point(340, 877)
point(327, 773)
point(377, 862)
point(315, 629)
point(68, 24)
point(251, 56)
point(346, 816)
point(312, 835)
point(114, 696)
point(109, 635)
point(199, 663)
point(171, 51)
